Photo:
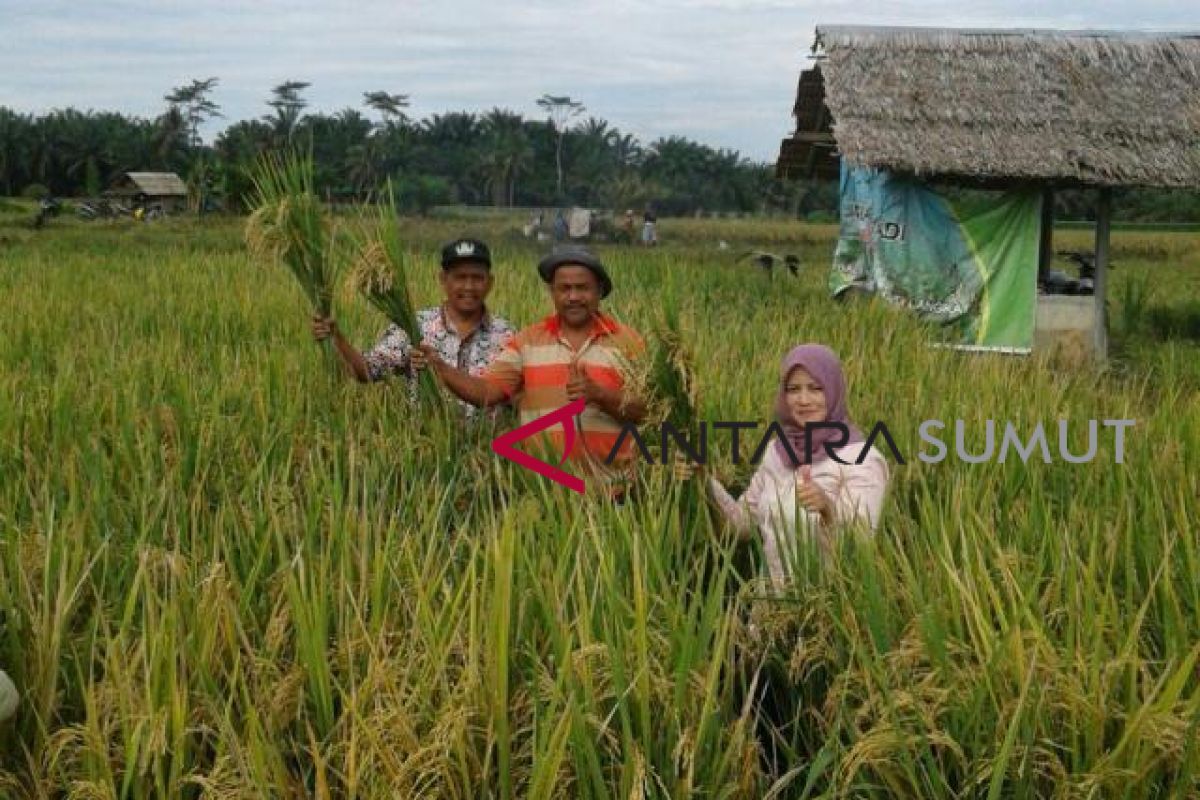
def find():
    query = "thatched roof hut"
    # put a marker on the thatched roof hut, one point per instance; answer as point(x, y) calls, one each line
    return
point(152, 184)
point(995, 108)
point(998, 106)
point(165, 189)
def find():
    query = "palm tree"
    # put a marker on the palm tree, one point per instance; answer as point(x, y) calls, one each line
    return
point(287, 102)
point(506, 152)
point(448, 144)
point(390, 106)
point(562, 109)
point(170, 141)
point(593, 158)
point(238, 148)
point(195, 105)
point(627, 151)
point(630, 190)
point(86, 148)
point(15, 135)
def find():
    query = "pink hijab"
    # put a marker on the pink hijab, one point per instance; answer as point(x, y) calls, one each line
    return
point(823, 365)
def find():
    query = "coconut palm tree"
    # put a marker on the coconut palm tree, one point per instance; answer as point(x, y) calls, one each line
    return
point(505, 153)
point(447, 145)
point(170, 141)
point(288, 104)
point(15, 137)
point(561, 109)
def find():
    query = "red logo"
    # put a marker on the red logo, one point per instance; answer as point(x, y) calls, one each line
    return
point(503, 445)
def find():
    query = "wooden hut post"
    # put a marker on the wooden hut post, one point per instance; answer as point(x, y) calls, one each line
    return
point(1100, 283)
point(1046, 245)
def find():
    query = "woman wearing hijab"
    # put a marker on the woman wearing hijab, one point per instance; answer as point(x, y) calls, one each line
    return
point(798, 489)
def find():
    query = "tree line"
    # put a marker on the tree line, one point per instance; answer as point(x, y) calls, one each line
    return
point(497, 157)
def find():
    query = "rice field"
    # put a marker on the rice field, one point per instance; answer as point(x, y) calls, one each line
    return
point(226, 574)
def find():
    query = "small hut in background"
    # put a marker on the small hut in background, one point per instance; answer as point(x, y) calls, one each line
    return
point(163, 188)
point(1004, 109)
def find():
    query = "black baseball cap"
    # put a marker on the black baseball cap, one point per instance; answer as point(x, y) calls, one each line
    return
point(466, 250)
point(575, 256)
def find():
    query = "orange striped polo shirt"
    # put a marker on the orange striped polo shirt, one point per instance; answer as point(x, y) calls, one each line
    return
point(535, 363)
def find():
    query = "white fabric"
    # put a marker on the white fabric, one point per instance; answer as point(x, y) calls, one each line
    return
point(580, 223)
point(857, 492)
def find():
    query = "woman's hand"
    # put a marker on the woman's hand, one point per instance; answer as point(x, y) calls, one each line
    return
point(683, 468)
point(811, 496)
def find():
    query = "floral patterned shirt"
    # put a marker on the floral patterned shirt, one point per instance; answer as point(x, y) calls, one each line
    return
point(471, 353)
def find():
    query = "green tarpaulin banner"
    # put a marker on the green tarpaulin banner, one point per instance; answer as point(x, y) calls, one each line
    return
point(970, 266)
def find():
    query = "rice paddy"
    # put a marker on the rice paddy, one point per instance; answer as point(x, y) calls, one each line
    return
point(225, 575)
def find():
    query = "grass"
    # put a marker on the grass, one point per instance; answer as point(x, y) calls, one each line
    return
point(220, 573)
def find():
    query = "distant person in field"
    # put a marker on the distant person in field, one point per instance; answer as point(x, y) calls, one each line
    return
point(627, 227)
point(576, 352)
point(462, 330)
point(649, 227)
point(793, 494)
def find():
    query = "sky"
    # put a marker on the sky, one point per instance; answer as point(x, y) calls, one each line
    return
point(722, 72)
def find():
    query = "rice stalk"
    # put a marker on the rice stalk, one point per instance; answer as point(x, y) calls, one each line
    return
point(672, 377)
point(381, 275)
point(288, 225)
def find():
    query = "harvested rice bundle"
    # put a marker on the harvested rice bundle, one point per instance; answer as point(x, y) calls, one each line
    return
point(380, 274)
point(672, 374)
point(288, 224)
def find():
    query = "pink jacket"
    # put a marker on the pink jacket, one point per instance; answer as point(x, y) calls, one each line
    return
point(857, 492)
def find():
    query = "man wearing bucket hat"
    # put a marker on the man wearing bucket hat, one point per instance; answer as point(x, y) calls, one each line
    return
point(576, 352)
point(462, 330)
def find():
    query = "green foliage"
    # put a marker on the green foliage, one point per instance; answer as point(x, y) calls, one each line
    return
point(420, 193)
point(498, 157)
point(223, 576)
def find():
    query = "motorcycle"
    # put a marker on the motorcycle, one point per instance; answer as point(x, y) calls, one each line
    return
point(1058, 282)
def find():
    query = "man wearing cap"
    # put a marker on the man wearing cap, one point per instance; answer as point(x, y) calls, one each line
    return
point(461, 330)
point(576, 352)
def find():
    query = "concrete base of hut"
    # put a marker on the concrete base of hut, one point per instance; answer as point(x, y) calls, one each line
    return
point(1063, 328)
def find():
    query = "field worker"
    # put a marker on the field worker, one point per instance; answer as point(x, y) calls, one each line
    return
point(817, 496)
point(578, 351)
point(461, 330)
point(649, 227)
point(627, 226)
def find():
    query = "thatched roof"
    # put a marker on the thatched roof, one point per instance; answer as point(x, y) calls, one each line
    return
point(1061, 106)
point(154, 184)
point(810, 150)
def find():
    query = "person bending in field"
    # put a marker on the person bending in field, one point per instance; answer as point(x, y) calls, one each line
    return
point(462, 331)
point(576, 352)
point(793, 494)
